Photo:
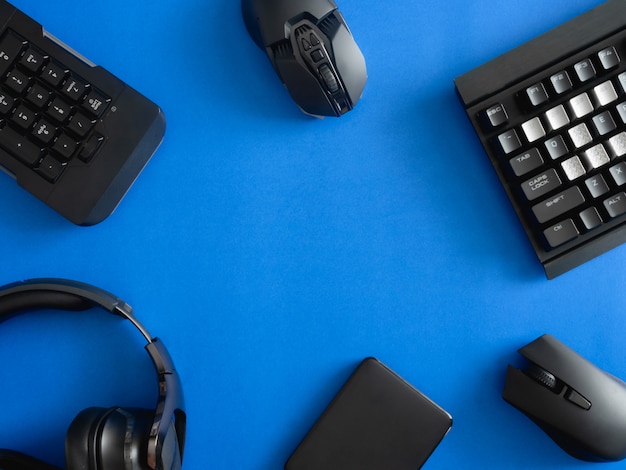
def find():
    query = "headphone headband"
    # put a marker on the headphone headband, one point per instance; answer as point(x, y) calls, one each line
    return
point(19, 297)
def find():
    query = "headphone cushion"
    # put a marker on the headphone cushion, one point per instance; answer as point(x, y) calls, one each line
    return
point(108, 439)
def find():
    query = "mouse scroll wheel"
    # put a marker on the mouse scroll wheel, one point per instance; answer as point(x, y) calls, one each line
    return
point(544, 377)
point(329, 78)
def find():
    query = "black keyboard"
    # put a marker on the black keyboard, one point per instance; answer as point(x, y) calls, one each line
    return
point(71, 133)
point(551, 116)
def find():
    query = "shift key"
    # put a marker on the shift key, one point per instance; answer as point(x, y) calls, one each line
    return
point(558, 204)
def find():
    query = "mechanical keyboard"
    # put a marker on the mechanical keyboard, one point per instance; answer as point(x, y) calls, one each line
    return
point(551, 115)
point(71, 133)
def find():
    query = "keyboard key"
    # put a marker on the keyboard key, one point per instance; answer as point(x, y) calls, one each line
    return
point(32, 60)
point(618, 172)
point(557, 117)
point(616, 205)
point(585, 70)
point(509, 141)
point(556, 147)
point(91, 147)
point(18, 146)
point(44, 131)
point(590, 218)
point(10, 48)
point(74, 89)
point(17, 81)
point(53, 75)
point(533, 130)
point(496, 116)
point(573, 168)
point(561, 233)
point(618, 144)
point(558, 204)
point(581, 105)
point(50, 168)
point(537, 94)
point(608, 58)
point(95, 103)
point(541, 184)
point(597, 186)
point(596, 156)
point(580, 135)
point(561, 82)
point(621, 109)
point(23, 117)
point(605, 93)
point(604, 123)
point(64, 146)
point(526, 162)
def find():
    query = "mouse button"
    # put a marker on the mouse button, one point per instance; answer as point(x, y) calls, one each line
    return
point(303, 87)
point(528, 395)
point(577, 399)
point(349, 63)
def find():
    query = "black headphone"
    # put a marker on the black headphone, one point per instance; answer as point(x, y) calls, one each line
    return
point(99, 438)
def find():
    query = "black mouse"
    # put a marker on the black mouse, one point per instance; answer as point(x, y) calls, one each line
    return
point(580, 406)
point(312, 50)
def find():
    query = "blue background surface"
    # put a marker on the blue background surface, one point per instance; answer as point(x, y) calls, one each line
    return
point(272, 252)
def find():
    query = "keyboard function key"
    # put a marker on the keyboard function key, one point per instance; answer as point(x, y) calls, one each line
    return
point(561, 82)
point(558, 205)
point(585, 70)
point(526, 162)
point(537, 94)
point(541, 184)
point(608, 58)
point(561, 233)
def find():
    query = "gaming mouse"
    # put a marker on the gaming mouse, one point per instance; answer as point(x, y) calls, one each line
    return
point(312, 51)
point(580, 406)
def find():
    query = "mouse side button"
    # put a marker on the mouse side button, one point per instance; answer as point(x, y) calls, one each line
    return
point(577, 399)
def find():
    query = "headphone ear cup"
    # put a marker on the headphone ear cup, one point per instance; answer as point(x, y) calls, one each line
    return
point(109, 439)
